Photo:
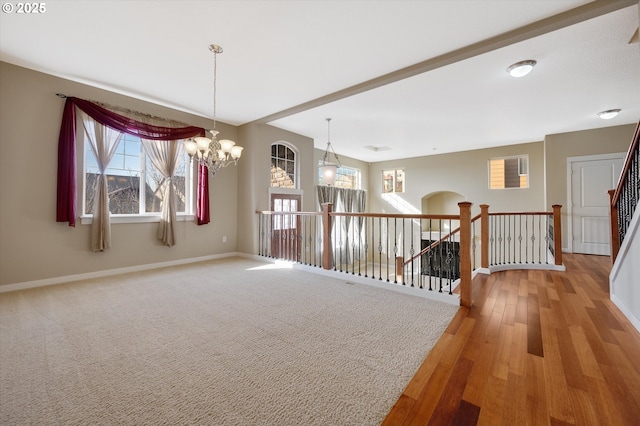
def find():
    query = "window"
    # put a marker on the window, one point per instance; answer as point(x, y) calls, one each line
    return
point(283, 166)
point(346, 177)
point(509, 172)
point(392, 181)
point(127, 169)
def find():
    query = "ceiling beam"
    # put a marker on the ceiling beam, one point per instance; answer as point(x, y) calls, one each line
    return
point(538, 28)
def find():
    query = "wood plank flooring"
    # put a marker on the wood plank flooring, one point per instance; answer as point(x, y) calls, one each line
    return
point(537, 348)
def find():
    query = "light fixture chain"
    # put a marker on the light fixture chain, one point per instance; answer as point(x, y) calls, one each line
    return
point(215, 71)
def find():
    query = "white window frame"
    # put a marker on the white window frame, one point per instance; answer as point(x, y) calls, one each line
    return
point(395, 176)
point(296, 168)
point(143, 217)
point(340, 171)
point(521, 165)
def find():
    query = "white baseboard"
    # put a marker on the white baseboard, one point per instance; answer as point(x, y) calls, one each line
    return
point(635, 321)
point(105, 273)
point(535, 266)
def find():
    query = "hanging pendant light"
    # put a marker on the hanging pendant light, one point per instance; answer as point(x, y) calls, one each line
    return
point(329, 170)
point(210, 152)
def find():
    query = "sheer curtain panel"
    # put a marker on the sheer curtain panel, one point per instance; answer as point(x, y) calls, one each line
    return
point(104, 142)
point(165, 156)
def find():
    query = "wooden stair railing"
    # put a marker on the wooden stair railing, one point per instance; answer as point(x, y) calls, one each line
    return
point(625, 195)
point(435, 244)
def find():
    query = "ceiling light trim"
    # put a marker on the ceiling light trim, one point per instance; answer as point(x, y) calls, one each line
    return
point(522, 68)
point(609, 114)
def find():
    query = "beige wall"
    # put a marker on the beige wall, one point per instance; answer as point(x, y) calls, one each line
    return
point(465, 173)
point(561, 146)
point(255, 177)
point(32, 245)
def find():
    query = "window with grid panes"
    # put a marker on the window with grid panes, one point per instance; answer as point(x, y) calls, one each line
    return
point(283, 166)
point(509, 172)
point(346, 177)
point(392, 181)
point(134, 185)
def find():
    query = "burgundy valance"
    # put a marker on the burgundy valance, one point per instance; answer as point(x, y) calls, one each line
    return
point(66, 204)
point(133, 127)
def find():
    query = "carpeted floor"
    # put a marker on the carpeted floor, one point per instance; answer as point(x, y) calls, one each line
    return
point(231, 342)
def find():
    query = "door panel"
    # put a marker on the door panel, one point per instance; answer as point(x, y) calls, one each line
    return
point(590, 181)
point(284, 238)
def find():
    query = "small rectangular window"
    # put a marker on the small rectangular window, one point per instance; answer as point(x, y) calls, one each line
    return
point(392, 181)
point(509, 172)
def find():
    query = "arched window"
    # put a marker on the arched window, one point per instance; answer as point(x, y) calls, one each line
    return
point(284, 170)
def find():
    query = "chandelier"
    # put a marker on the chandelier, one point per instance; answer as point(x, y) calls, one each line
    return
point(210, 152)
point(328, 170)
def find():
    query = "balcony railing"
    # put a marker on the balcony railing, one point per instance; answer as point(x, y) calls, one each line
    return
point(524, 239)
point(436, 253)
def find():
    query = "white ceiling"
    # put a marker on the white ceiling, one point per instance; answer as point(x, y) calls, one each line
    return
point(279, 55)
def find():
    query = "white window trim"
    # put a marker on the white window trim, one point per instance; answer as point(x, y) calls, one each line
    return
point(296, 163)
point(395, 175)
point(508, 158)
point(359, 174)
point(136, 218)
point(87, 219)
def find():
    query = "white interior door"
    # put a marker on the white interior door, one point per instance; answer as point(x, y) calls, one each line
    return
point(590, 181)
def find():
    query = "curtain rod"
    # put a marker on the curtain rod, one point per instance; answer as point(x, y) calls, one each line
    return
point(131, 113)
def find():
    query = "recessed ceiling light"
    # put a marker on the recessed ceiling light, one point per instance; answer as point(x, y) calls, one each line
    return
point(522, 68)
point(608, 114)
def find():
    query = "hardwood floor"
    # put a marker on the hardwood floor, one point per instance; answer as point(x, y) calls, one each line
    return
point(537, 348)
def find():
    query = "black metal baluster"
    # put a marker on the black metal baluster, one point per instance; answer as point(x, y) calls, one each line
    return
point(366, 248)
point(540, 242)
point(547, 240)
point(420, 267)
point(395, 249)
point(359, 244)
point(439, 264)
point(503, 239)
point(318, 241)
point(304, 221)
point(491, 239)
point(451, 265)
point(411, 253)
point(387, 245)
point(520, 237)
point(340, 244)
point(404, 242)
point(498, 239)
point(380, 249)
point(509, 239)
point(373, 249)
point(353, 255)
point(526, 239)
point(473, 243)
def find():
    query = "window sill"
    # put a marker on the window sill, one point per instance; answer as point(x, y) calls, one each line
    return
point(137, 218)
